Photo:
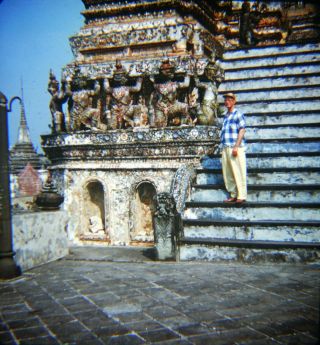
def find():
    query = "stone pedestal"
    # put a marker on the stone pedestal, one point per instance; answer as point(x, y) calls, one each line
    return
point(164, 243)
point(125, 168)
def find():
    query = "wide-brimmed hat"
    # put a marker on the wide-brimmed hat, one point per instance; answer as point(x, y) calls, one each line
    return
point(166, 64)
point(230, 95)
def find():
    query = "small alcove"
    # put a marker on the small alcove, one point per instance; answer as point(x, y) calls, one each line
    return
point(142, 209)
point(93, 215)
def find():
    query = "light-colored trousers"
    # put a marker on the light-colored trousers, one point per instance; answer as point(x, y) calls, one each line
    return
point(234, 170)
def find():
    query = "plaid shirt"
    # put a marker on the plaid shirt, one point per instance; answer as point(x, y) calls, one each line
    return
point(232, 123)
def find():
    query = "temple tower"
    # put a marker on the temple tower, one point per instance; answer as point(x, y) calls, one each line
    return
point(138, 110)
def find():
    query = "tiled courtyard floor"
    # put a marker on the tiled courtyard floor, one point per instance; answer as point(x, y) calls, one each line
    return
point(104, 296)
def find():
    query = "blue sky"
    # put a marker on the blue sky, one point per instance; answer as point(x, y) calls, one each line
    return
point(34, 38)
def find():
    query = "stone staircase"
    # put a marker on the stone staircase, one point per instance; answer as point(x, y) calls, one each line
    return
point(278, 89)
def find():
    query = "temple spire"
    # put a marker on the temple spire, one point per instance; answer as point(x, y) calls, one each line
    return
point(23, 151)
point(23, 131)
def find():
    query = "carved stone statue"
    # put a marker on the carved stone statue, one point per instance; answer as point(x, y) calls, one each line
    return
point(166, 224)
point(93, 211)
point(141, 117)
point(83, 113)
point(96, 226)
point(58, 98)
point(248, 21)
point(209, 84)
point(168, 110)
point(119, 102)
point(123, 113)
point(195, 40)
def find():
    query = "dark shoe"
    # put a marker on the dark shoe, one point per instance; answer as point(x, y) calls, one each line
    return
point(230, 200)
point(240, 201)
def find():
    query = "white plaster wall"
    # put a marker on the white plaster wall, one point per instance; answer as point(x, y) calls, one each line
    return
point(39, 237)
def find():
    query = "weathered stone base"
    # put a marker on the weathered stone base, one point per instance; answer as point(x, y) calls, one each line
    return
point(109, 180)
point(247, 255)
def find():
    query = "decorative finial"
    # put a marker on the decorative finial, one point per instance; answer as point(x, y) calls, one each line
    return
point(21, 85)
point(23, 130)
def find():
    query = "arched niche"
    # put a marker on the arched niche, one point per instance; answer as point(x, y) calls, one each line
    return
point(142, 209)
point(93, 212)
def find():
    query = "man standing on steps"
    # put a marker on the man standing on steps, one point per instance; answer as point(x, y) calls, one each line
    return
point(234, 168)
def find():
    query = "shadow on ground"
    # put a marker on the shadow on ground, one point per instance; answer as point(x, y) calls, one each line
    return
point(114, 254)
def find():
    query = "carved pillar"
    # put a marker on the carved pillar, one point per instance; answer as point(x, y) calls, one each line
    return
point(166, 226)
point(8, 267)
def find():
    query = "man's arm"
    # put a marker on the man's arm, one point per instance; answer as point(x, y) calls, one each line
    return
point(238, 142)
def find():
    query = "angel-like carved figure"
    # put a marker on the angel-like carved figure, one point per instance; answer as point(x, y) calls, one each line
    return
point(123, 113)
point(167, 109)
point(84, 110)
point(58, 98)
point(207, 108)
point(248, 22)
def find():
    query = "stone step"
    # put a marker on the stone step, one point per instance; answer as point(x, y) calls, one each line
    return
point(271, 60)
point(282, 119)
point(263, 193)
point(278, 106)
point(280, 146)
point(278, 89)
point(248, 251)
point(297, 70)
point(261, 160)
point(263, 176)
point(271, 82)
point(271, 51)
point(283, 131)
point(253, 211)
point(287, 231)
point(261, 95)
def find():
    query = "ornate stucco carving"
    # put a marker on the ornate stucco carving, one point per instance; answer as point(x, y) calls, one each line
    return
point(144, 143)
point(181, 185)
point(140, 34)
point(158, 98)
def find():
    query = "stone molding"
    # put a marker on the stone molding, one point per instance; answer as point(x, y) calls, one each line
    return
point(181, 142)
